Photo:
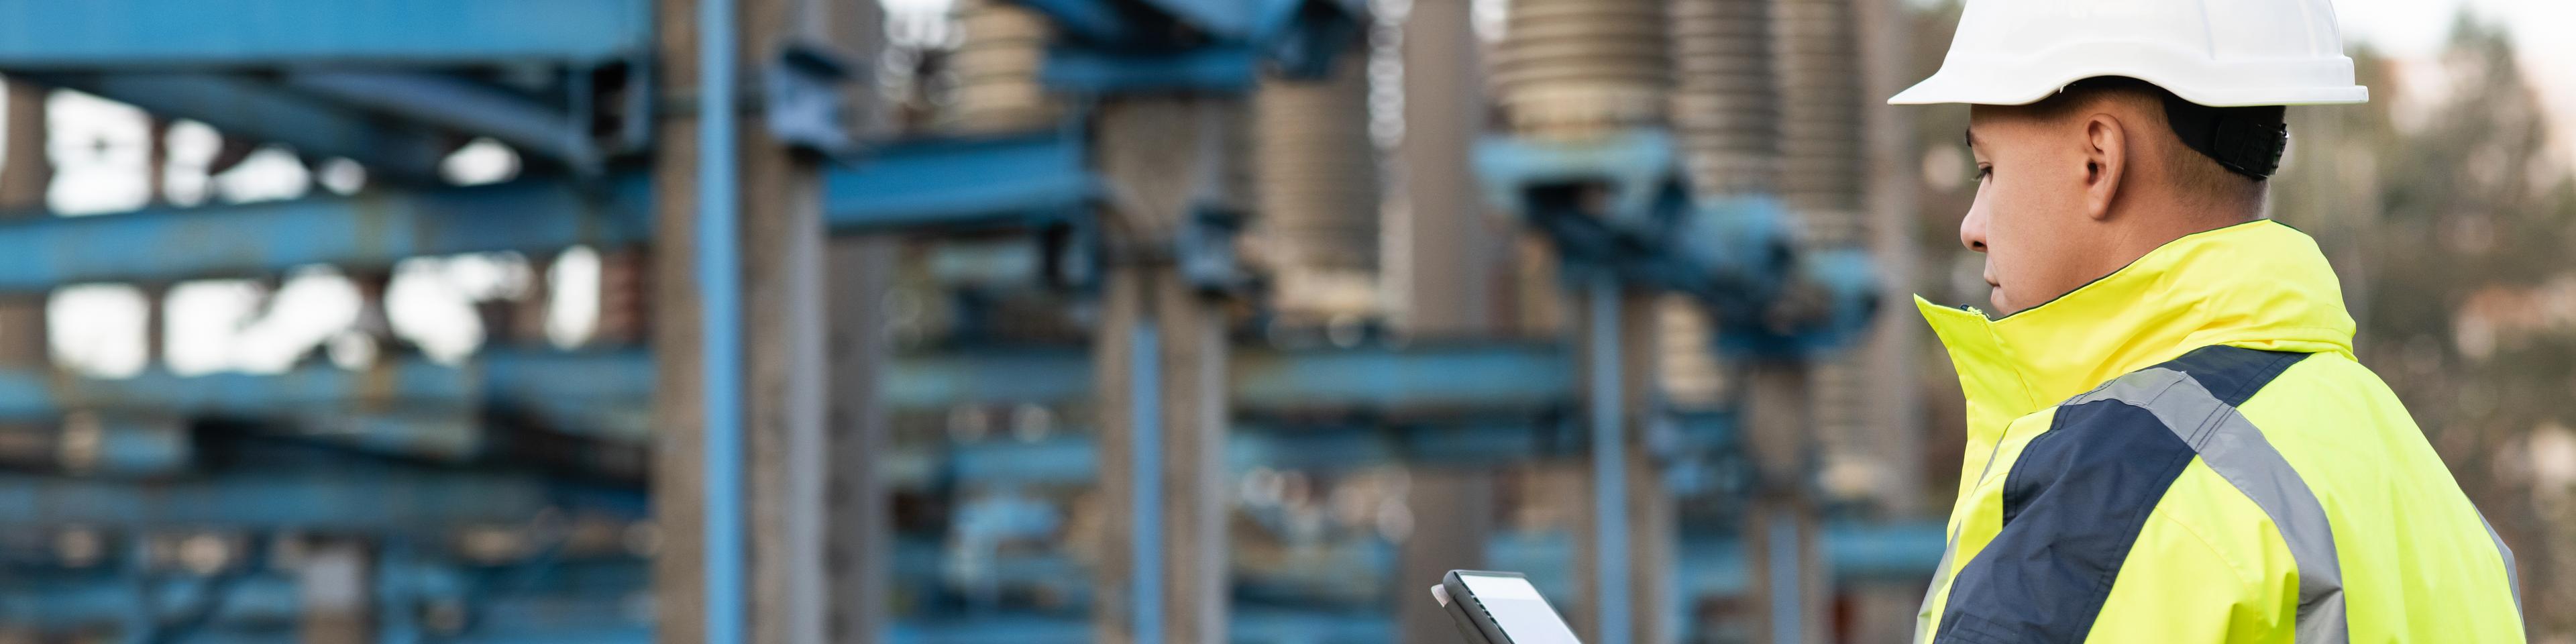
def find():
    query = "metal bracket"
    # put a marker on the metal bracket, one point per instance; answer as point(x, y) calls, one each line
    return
point(804, 104)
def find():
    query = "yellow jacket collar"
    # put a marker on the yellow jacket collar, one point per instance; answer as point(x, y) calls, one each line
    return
point(2259, 284)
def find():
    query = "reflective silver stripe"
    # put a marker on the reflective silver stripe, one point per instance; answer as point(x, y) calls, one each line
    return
point(2512, 574)
point(2235, 449)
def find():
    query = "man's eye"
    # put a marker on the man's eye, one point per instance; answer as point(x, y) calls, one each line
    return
point(1985, 172)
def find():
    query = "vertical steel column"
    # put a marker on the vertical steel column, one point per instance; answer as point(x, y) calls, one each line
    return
point(1145, 442)
point(719, 282)
point(1610, 560)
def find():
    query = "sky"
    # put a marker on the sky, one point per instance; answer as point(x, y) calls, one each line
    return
point(2417, 29)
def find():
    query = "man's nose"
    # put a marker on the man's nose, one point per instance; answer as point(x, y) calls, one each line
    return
point(1972, 228)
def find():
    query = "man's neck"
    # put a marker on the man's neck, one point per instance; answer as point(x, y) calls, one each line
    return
point(2136, 233)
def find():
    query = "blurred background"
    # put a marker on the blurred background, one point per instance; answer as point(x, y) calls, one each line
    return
point(1020, 321)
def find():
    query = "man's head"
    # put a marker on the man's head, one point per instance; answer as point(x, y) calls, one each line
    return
point(2077, 185)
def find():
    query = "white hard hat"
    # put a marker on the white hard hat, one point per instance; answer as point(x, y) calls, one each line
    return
point(2218, 53)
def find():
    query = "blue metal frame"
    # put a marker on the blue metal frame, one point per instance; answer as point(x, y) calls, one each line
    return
point(369, 229)
point(459, 105)
point(261, 111)
point(93, 34)
point(932, 184)
point(1607, 400)
point(380, 501)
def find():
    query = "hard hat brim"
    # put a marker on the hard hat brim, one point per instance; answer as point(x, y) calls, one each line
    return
point(2022, 82)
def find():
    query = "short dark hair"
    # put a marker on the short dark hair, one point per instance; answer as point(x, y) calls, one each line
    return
point(2194, 171)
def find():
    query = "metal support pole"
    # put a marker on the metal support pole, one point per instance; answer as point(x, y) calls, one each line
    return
point(1628, 551)
point(1611, 604)
point(1789, 590)
point(719, 281)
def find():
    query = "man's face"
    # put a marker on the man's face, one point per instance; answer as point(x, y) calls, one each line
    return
point(2029, 216)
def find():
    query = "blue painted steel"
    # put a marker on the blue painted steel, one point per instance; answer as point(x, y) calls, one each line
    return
point(261, 111)
point(1024, 180)
point(1423, 376)
point(1482, 381)
point(1145, 506)
point(1610, 565)
point(1212, 68)
point(1074, 459)
point(1637, 166)
point(460, 105)
point(719, 276)
point(1098, 21)
point(377, 501)
point(370, 229)
point(53, 34)
point(1493, 377)
point(988, 376)
point(1786, 580)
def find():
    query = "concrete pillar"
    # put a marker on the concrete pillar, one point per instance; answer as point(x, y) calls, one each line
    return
point(679, 484)
point(1161, 355)
point(1451, 273)
point(859, 549)
point(25, 175)
point(1453, 516)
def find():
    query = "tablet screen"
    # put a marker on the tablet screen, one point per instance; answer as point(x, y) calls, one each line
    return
point(1517, 607)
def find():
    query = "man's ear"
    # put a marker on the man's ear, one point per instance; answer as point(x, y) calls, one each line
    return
point(2106, 162)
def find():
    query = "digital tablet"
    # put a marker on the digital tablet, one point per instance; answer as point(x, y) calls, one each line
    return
point(1500, 608)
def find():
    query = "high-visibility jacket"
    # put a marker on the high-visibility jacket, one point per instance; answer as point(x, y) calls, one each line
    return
point(2187, 450)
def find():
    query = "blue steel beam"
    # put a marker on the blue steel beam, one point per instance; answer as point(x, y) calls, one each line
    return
point(369, 229)
point(459, 105)
point(915, 186)
point(372, 501)
point(1426, 376)
point(96, 34)
point(952, 183)
point(1073, 460)
point(1485, 380)
point(257, 110)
